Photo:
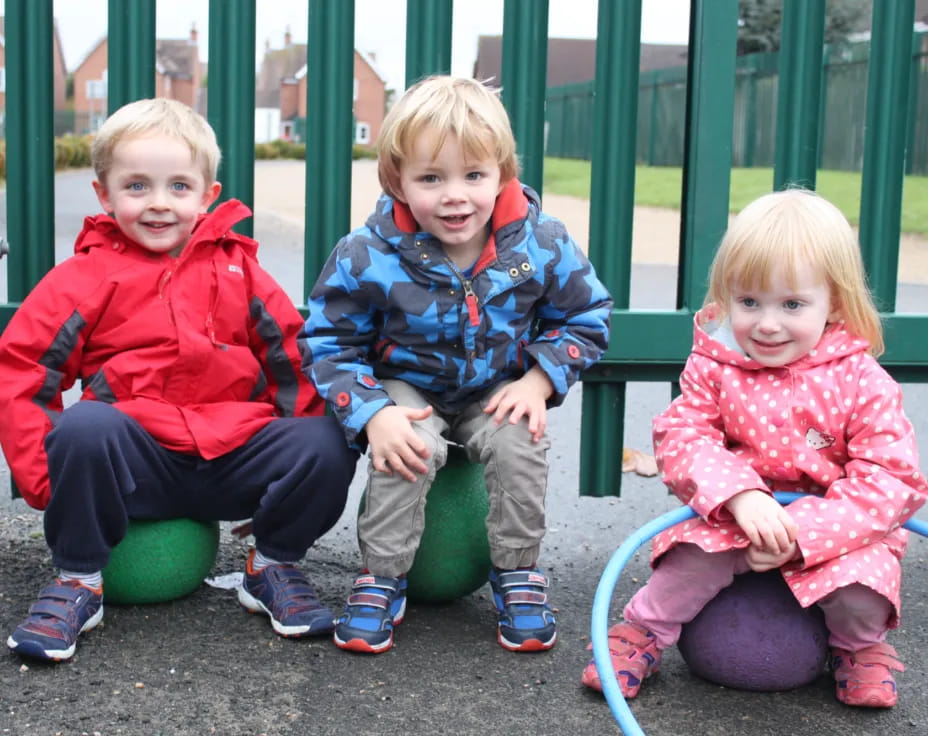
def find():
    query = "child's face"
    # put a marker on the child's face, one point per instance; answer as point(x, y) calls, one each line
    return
point(780, 325)
point(450, 197)
point(156, 191)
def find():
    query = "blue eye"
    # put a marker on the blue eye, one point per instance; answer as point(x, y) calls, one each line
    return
point(136, 186)
point(748, 301)
point(792, 304)
point(475, 175)
point(428, 179)
point(179, 186)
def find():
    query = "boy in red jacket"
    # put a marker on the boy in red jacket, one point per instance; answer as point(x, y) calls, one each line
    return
point(193, 403)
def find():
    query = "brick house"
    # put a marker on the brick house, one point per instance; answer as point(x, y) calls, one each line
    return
point(59, 76)
point(178, 73)
point(281, 90)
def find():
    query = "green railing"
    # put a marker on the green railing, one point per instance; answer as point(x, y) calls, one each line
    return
point(646, 345)
point(836, 79)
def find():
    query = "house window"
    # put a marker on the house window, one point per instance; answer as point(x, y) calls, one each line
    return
point(96, 89)
point(2, 79)
point(362, 134)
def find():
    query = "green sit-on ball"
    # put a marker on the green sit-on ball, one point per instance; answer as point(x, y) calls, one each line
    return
point(453, 559)
point(160, 560)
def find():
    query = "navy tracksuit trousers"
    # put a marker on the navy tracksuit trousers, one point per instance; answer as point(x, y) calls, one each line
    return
point(291, 479)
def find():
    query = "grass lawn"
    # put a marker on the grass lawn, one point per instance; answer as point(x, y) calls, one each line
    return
point(658, 186)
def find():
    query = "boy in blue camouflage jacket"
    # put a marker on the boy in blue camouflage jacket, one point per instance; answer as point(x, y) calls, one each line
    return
point(460, 312)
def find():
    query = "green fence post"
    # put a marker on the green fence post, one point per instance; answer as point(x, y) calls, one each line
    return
point(912, 118)
point(130, 55)
point(329, 134)
point(525, 70)
point(710, 98)
point(654, 119)
point(884, 158)
point(799, 93)
point(750, 113)
point(428, 38)
point(612, 212)
point(232, 98)
point(30, 144)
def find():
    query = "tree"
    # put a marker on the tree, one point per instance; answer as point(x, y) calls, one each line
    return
point(759, 22)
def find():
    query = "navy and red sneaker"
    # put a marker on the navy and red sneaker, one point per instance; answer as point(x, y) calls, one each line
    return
point(283, 593)
point(375, 606)
point(526, 621)
point(64, 610)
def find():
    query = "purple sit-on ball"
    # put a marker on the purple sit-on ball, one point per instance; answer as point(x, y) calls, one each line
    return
point(754, 635)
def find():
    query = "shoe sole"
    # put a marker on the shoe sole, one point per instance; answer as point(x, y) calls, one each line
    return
point(875, 700)
point(36, 650)
point(361, 646)
point(529, 645)
point(594, 682)
point(357, 644)
point(252, 604)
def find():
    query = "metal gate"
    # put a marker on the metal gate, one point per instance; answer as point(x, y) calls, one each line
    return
point(645, 345)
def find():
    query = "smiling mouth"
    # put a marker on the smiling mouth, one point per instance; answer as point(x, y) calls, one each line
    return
point(454, 219)
point(764, 345)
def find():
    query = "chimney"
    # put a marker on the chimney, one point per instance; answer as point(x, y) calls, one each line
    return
point(193, 32)
point(288, 39)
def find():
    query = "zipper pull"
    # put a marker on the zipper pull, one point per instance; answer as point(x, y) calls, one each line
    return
point(470, 299)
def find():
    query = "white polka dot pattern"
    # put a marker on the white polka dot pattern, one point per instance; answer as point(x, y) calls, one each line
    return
point(830, 425)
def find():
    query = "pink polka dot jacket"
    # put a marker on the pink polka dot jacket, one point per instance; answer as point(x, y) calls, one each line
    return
point(830, 425)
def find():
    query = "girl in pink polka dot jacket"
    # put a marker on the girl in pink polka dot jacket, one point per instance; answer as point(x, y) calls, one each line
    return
point(782, 391)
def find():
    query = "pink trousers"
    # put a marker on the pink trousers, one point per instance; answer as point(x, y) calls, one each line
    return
point(687, 578)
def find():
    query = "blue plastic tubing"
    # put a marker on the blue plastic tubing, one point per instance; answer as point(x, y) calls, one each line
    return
point(605, 589)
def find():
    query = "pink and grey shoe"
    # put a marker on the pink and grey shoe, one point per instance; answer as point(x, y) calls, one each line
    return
point(635, 657)
point(864, 678)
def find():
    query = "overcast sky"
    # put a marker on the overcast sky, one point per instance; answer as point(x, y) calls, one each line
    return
point(379, 26)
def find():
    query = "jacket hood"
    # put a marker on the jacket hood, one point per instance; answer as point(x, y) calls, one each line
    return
point(392, 220)
point(211, 228)
point(836, 342)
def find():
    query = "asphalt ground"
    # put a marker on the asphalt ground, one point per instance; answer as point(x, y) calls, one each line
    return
point(201, 665)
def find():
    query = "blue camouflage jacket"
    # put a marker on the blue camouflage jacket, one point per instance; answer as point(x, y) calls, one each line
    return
point(390, 304)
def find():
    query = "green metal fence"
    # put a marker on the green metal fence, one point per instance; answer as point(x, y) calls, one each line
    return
point(646, 345)
point(840, 125)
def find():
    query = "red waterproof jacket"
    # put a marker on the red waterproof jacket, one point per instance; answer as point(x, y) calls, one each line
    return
point(200, 349)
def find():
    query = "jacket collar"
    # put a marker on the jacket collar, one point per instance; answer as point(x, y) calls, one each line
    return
point(394, 221)
point(211, 228)
point(836, 342)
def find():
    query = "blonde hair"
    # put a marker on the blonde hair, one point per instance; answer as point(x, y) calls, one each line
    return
point(163, 116)
point(446, 105)
point(791, 229)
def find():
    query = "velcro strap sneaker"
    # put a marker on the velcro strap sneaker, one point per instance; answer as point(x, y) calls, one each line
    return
point(375, 606)
point(526, 621)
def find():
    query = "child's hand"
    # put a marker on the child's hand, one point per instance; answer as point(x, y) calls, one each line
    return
point(765, 522)
point(395, 446)
point(760, 560)
point(524, 398)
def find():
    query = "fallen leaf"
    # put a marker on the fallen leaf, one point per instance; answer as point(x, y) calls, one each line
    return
point(636, 461)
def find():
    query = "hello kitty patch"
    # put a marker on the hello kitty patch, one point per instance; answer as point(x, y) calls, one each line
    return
point(819, 440)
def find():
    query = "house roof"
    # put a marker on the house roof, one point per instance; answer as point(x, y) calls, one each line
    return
point(177, 57)
point(571, 59)
point(174, 57)
point(278, 65)
point(366, 58)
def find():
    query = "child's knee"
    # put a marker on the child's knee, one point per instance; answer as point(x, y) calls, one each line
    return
point(87, 423)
